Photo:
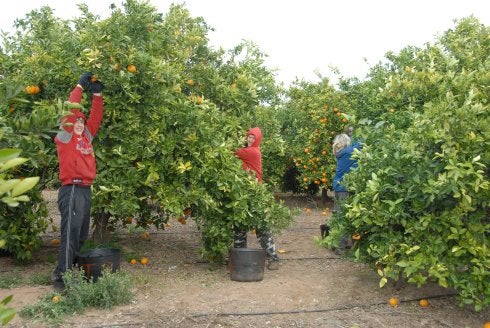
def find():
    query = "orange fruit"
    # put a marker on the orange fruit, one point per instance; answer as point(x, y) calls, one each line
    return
point(393, 302)
point(324, 213)
point(32, 90)
point(131, 68)
point(356, 236)
point(144, 261)
point(55, 242)
point(133, 261)
point(424, 303)
point(199, 100)
point(486, 324)
point(190, 82)
point(56, 299)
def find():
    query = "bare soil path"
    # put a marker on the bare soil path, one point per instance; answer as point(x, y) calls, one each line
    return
point(312, 288)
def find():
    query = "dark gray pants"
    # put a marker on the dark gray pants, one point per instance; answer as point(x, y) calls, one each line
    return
point(339, 196)
point(74, 203)
point(265, 239)
point(344, 241)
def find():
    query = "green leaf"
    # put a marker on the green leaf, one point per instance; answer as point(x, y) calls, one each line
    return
point(6, 186)
point(13, 163)
point(383, 282)
point(24, 185)
point(9, 153)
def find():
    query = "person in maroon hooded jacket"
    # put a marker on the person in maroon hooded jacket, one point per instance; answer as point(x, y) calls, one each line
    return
point(252, 161)
point(77, 171)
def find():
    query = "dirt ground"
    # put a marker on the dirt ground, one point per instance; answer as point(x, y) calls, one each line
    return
point(312, 288)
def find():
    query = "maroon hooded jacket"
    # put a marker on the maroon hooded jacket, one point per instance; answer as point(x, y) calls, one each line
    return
point(75, 153)
point(251, 156)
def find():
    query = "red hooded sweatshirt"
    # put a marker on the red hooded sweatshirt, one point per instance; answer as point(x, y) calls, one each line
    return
point(75, 153)
point(251, 156)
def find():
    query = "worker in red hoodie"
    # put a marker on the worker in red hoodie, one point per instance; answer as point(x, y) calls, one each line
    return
point(77, 171)
point(252, 161)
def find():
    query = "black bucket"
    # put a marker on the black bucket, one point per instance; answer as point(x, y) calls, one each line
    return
point(247, 264)
point(324, 230)
point(94, 261)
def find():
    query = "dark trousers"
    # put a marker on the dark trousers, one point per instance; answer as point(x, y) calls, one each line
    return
point(265, 239)
point(74, 203)
point(340, 196)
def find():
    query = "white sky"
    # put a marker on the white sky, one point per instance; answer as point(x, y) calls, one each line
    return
point(304, 37)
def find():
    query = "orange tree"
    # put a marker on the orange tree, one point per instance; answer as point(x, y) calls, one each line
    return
point(175, 110)
point(312, 115)
point(421, 191)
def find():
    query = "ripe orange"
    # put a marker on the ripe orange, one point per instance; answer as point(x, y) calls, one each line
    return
point(56, 299)
point(356, 236)
point(131, 68)
point(190, 82)
point(393, 302)
point(55, 242)
point(486, 324)
point(424, 303)
point(199, 100)
point(32, 90)
point(144, 261)
point(133, 261)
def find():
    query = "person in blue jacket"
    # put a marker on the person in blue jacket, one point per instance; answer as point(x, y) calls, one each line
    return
point(343, 148)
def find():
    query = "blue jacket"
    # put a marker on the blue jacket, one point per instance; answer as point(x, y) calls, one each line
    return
point(344, 164)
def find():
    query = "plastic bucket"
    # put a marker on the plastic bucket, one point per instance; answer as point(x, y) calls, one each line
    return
point(247, 264)
point(94, 261)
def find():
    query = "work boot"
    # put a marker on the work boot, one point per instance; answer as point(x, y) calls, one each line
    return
point(273, 264)
point(58, 283)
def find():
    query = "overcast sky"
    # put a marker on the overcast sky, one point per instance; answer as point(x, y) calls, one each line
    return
point(308, 36)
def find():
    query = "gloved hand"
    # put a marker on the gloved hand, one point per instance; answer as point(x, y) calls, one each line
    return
point(97, 87)
point(84, 80)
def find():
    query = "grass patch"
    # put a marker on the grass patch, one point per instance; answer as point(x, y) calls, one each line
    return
point(111, 289)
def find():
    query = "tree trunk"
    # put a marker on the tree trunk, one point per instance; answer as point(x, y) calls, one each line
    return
point(100, 234)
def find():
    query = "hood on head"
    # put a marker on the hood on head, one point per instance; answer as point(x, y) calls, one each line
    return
point(68, 121)
point(258, 136)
